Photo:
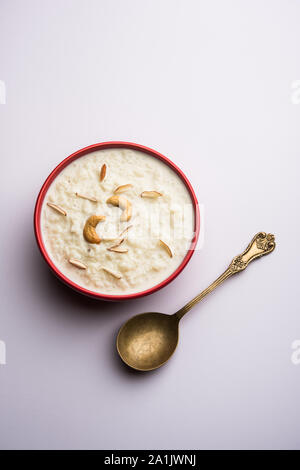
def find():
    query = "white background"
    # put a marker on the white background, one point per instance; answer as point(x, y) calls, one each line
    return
point(209, 84)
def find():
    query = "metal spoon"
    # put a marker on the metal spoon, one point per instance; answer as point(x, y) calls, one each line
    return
point(147, 341)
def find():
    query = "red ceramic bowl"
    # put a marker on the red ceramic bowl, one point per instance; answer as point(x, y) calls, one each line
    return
point(80, 153)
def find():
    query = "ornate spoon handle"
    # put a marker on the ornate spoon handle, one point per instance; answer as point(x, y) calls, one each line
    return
point(261, 244)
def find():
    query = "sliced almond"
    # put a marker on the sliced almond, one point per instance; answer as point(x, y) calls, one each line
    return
point(122, 189)
point(118, 242)
point(102, 172)
point(92, 199)
point(77, 263)
point(151, 194)
point(166, 247)
point(120, 239)
point(117, 276)
point(125, 230)
point(118, 249)
point(57, 208)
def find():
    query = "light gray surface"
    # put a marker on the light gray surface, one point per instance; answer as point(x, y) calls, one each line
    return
point(207, 83)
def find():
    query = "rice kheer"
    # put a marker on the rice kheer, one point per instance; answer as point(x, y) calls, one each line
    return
point(117, 221)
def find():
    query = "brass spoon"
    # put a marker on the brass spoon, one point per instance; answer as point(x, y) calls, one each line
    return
point(147, 341)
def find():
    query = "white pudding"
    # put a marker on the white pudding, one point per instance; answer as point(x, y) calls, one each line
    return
point(117, 241)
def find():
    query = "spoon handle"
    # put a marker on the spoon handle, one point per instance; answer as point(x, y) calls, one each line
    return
point(261, 244)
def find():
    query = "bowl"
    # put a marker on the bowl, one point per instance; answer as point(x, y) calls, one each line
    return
point(85, 151)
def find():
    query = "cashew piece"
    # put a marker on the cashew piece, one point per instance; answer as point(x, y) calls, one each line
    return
point(124, 204)
point(89, 231)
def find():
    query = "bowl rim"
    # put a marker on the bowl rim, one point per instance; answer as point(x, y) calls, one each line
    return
point(80, 153)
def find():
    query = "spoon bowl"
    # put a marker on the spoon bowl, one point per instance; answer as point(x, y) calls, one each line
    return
point(147, 341)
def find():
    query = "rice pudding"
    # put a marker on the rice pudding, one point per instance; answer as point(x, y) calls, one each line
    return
point(117, 221)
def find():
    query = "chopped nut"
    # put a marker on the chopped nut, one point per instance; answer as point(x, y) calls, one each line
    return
point(89, 231)
point(124, 204)
point(167, 248)
point(118, 249)
point(117, 276)
point(57, 208)
point(122, 189)
point(77, 263)
point(92, 199)
point(151, 194)
point(118, 242)
point(125, 230)
point(102, 172)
